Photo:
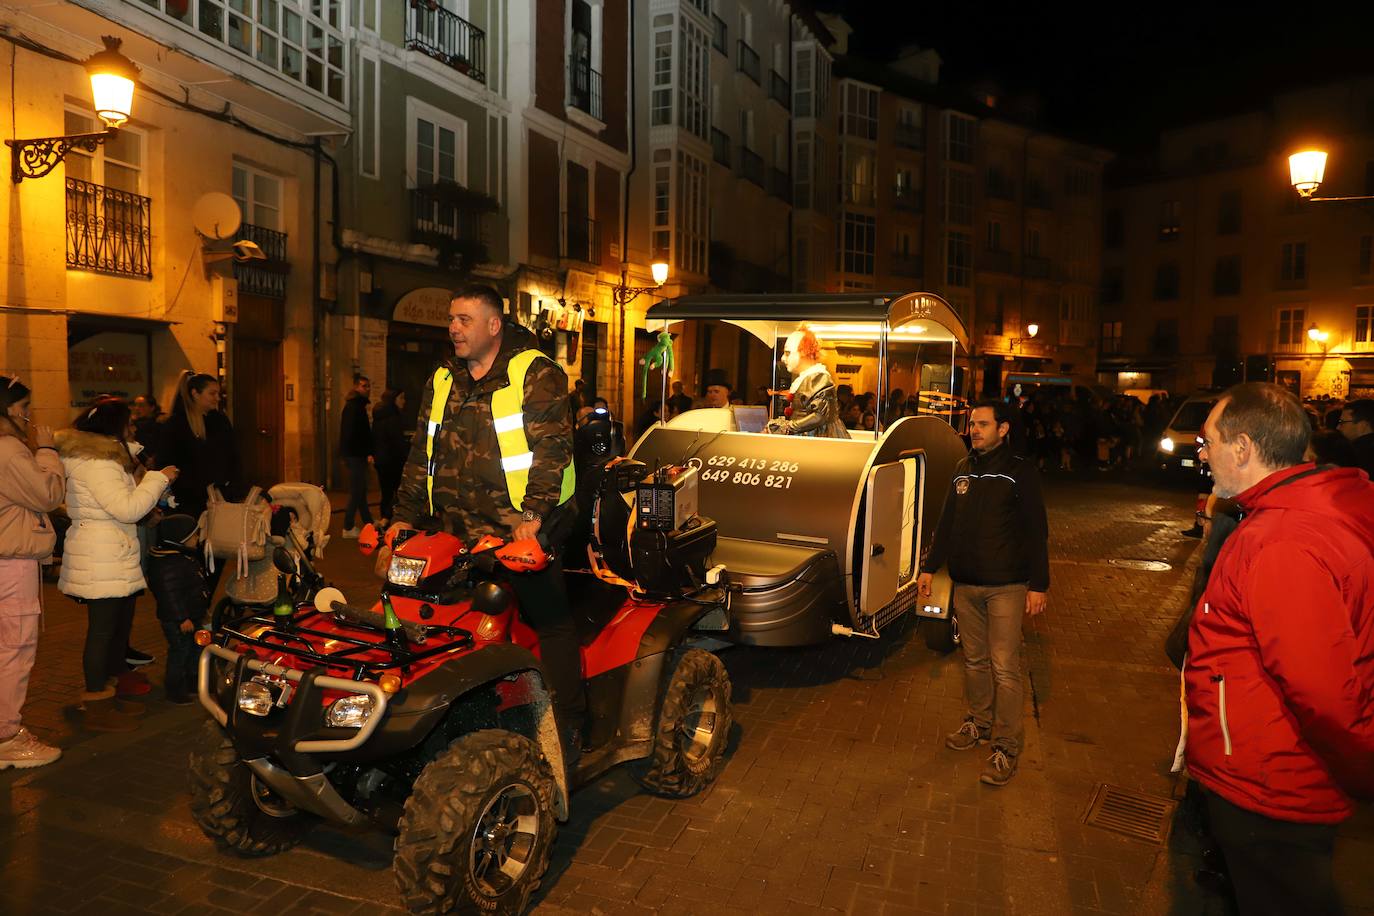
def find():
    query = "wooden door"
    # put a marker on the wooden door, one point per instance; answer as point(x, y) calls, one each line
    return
point(255, 390)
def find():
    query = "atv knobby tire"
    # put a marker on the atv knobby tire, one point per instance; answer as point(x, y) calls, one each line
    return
point(693, 728)
point(477, 830)
point(222, 802)
point(941, 635)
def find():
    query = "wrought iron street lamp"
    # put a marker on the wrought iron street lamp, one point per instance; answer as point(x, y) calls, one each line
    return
point(1306, 169)
point(113, 77)
point(1031, 330)
point(1318, 336)
point(625, 294)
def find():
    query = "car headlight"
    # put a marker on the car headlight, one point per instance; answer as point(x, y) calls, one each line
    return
point(255, 698)
point(1166, 445)
point(405, 571)
point(349, 712)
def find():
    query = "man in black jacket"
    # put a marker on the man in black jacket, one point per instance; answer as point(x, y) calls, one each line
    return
point(355, 447)
point(995, 537)
point(1356, 423)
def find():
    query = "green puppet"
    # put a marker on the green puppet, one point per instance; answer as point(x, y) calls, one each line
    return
point(661, 356)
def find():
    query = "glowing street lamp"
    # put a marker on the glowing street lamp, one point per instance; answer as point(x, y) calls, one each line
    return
point(1306, 169)
point(624, 294)
point(1032, 329)
point(1318, 336)
point(113, 77)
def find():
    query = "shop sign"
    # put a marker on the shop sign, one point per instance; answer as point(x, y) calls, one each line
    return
point(427, 305)
point(108, 363)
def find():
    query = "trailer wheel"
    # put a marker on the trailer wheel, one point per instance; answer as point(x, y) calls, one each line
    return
point(234, 809)
point(693, 728)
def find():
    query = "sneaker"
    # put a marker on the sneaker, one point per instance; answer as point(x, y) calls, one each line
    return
point(1000, 769)
point(136, 658)
point(351, 534)
point(132, 684)
point(967, 737)
point(24, 751)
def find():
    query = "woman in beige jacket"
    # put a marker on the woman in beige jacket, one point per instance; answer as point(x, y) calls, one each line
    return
point(31, 486)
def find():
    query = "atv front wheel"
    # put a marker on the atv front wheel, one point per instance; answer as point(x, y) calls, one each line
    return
point(234, 809)
point(941, 635)
point(693, 728)
point(476, 832)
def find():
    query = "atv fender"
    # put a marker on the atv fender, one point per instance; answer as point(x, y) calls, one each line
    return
point(429, 699)
point(646, 678)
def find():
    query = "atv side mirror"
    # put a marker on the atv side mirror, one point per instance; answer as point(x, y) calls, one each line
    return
point(368, 539)
point(284, 562)
point(490, 599)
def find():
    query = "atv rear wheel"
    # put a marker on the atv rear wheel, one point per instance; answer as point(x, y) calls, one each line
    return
point(234, 809)
point(941, 635)
point(476, 832)
point(693, 728)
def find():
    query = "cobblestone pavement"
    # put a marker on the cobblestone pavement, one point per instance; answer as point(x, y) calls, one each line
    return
point(838, 795)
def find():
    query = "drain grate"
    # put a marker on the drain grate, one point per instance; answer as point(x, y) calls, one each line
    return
point(1134, 814)
point(1147, 565)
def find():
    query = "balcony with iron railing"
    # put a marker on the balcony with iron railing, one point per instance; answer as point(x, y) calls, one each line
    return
point(779, 90)
point(718, 33)
point(748, 62)
point(109, 231)
point(911, 200)
point(581, 239)
point(442, 218)
point(909, 136)
point(447, 37)
point(584, 88)
point(906, 265)
point(780, 185)
point(720, 146)
point(751, 166)
point(263, 278)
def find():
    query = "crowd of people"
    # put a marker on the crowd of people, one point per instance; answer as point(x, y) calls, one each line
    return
point(100, 491)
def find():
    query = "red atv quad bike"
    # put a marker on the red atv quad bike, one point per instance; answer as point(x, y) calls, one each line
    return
point(428, 715)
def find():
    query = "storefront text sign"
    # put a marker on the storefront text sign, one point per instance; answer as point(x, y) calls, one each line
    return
point(108, 363)
point(426, 305)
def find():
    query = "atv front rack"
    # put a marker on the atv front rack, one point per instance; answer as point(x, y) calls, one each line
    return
point(295, 639)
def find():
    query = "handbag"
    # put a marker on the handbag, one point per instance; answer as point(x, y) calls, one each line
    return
point(235, 530)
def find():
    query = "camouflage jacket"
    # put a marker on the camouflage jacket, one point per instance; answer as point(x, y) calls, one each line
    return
point(470, 495)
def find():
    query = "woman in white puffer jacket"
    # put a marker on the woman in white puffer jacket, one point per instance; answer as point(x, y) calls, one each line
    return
point(101, 558)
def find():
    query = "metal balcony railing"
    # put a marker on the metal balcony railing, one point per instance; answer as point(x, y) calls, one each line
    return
point(720, 146)
point(108, 230)
point(718, 34)
point(584, 88)
point(779, 90)
point(780, 185)
point(909, 136)
point(436, 220)
point(448, 38)
point(748, 62)
point(263, 278)
point(751, 165)
point(581, 239)
point(907, 265)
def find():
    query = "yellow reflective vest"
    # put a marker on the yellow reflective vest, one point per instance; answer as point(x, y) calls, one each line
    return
point(508, 417)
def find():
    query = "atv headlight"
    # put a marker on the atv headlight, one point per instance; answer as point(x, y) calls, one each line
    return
point(405, 571)
point(349, 712)
point(255, 698)
point(1166, 445)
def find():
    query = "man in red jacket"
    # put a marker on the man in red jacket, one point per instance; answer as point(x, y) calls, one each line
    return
point(1280, 671)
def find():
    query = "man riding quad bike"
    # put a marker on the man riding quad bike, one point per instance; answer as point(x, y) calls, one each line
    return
point(443, 711)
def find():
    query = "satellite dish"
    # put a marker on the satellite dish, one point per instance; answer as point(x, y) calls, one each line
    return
point(216, 215)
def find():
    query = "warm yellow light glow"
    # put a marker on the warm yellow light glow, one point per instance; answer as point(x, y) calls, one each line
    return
point(660, 269)
point(1305, 170)
point(112, 83)
point(1032, 330)
point(1317, 335)
point(203, 637)
point(389, 682)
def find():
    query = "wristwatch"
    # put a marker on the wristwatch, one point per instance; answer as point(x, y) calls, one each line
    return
point(530, 515)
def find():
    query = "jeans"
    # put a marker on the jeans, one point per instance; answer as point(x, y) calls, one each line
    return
point(1276, 867)
point(990, 630)
point(544, 605)
point(107, 637)
point(389, 480)
point(357, 492)
point(182, 656)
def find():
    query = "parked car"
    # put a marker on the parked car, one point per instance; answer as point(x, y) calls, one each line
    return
point(1178, 447)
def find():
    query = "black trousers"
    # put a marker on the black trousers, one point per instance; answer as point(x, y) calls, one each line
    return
point(107, 636)
point(544, 605)
point(1277, 867)
point(389, 478)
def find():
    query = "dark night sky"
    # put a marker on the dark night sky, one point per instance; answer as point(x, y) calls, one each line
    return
point(1116, 73)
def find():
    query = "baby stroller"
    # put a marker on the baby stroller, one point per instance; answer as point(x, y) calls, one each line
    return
point(296, 537)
